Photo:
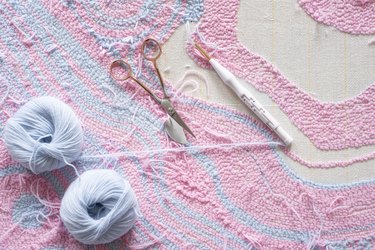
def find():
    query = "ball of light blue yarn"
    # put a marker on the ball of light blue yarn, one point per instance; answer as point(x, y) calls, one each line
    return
point(99, 207)
point(44, 135)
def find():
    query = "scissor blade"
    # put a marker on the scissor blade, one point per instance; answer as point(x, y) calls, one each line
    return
point(178, 119)
point(168, 107)
point(175, 131)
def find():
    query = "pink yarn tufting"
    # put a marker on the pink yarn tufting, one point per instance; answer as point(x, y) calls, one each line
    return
point(324, 123)
point(353, 16)
point(204, 197)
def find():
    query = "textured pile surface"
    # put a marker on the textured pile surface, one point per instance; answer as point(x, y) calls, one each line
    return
point(333, 131)
point(352, 16)
point(197, 198)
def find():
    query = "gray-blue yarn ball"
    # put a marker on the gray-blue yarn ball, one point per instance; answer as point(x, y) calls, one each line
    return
point(99, 207)
point(44, 135)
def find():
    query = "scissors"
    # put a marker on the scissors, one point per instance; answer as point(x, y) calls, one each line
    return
point(151, 51)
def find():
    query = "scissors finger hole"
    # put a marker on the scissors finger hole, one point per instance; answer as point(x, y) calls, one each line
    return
point(120, 70)
point(151, 49)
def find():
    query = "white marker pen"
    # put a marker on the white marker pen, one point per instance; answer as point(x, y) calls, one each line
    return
point(251, 102)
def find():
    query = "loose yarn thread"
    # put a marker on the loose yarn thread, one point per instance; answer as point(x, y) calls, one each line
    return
point(178, 149)
point(99, 207)
point(44, 135)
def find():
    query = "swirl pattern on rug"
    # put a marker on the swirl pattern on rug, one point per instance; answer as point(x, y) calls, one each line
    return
point(326, 124)
point(230, 189)
point(354, 16)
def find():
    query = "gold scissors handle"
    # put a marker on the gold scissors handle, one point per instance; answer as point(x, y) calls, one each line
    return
point(151, 51)
point(127, 74)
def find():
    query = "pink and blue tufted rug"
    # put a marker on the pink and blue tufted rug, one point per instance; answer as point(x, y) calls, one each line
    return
point(238, 196)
